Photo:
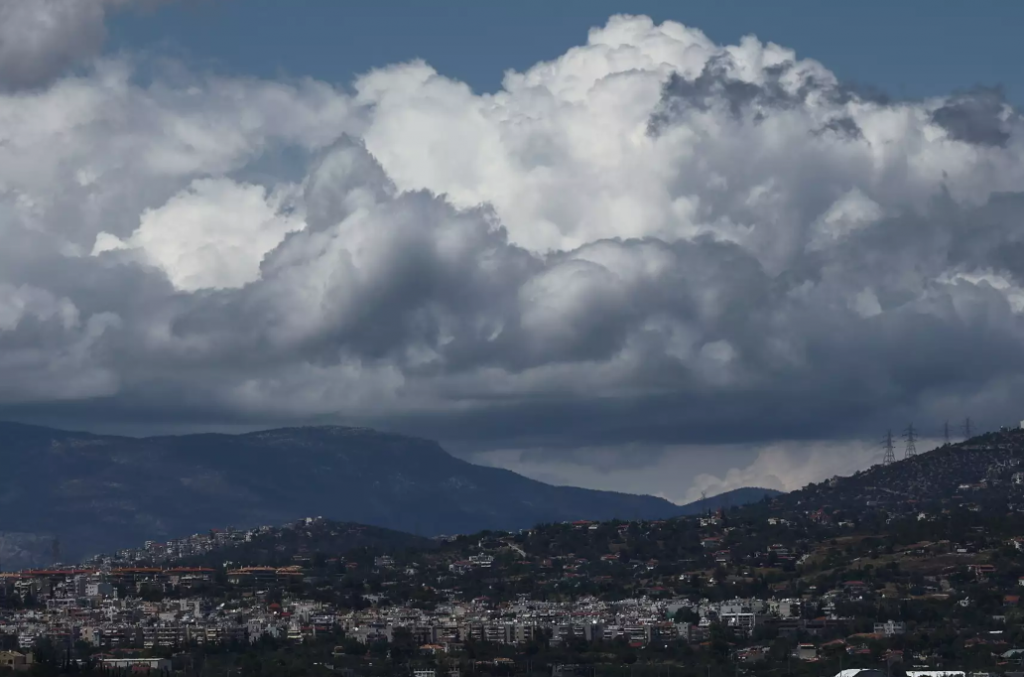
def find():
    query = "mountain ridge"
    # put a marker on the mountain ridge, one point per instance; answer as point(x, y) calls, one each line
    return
point(99, 493)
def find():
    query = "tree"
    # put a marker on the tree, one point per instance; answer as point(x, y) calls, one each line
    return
point(686, 615)
point(720, 640)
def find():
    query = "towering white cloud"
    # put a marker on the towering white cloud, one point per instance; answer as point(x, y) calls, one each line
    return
point(652, 238)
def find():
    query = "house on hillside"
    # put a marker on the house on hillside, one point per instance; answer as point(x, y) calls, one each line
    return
point(982, 570)
point(855, 587)
point(890, 628)
point(16, 661)
point(806, 652)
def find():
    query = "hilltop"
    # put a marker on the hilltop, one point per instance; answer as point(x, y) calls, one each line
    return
point(307, 541)
point(981, 471)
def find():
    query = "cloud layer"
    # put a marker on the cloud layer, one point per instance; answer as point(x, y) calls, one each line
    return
point(650, 240)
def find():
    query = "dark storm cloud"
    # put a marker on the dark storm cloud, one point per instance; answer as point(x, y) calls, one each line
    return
point(715, 86)
point(40, 39)
point(975, 117)
point(842, 127)
point(782, 86)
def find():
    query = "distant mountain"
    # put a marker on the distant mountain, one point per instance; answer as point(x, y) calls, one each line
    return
point(98, 493)
point(728, 499)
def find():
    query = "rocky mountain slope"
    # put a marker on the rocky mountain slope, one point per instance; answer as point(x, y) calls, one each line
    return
point(980, 471)
point(97, 493)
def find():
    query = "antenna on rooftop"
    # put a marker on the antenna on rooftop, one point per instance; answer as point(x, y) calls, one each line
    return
point(910, 435)
point(967, 428)
point(890, 455)
point(945, 431)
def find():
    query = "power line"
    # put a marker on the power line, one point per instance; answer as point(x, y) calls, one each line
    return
point(890, 455)
point(910, 435)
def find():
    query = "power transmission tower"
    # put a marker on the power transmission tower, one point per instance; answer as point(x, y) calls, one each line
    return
point(910, 435)
point(890, 454)
point(967, 428)
point(945, 432)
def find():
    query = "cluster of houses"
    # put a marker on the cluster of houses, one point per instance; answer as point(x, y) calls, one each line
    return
point(105, 610)
point(176, 549)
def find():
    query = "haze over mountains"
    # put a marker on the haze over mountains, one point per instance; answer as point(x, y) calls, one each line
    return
point(98, 493)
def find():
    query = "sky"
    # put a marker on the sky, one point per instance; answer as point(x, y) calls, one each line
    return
point(909, 48)
point(667, 248)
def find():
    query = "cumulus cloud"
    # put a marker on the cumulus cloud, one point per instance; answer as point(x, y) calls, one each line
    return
point(651, 240)
point(788, 466)
point(211, 236)
point(39, 39)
